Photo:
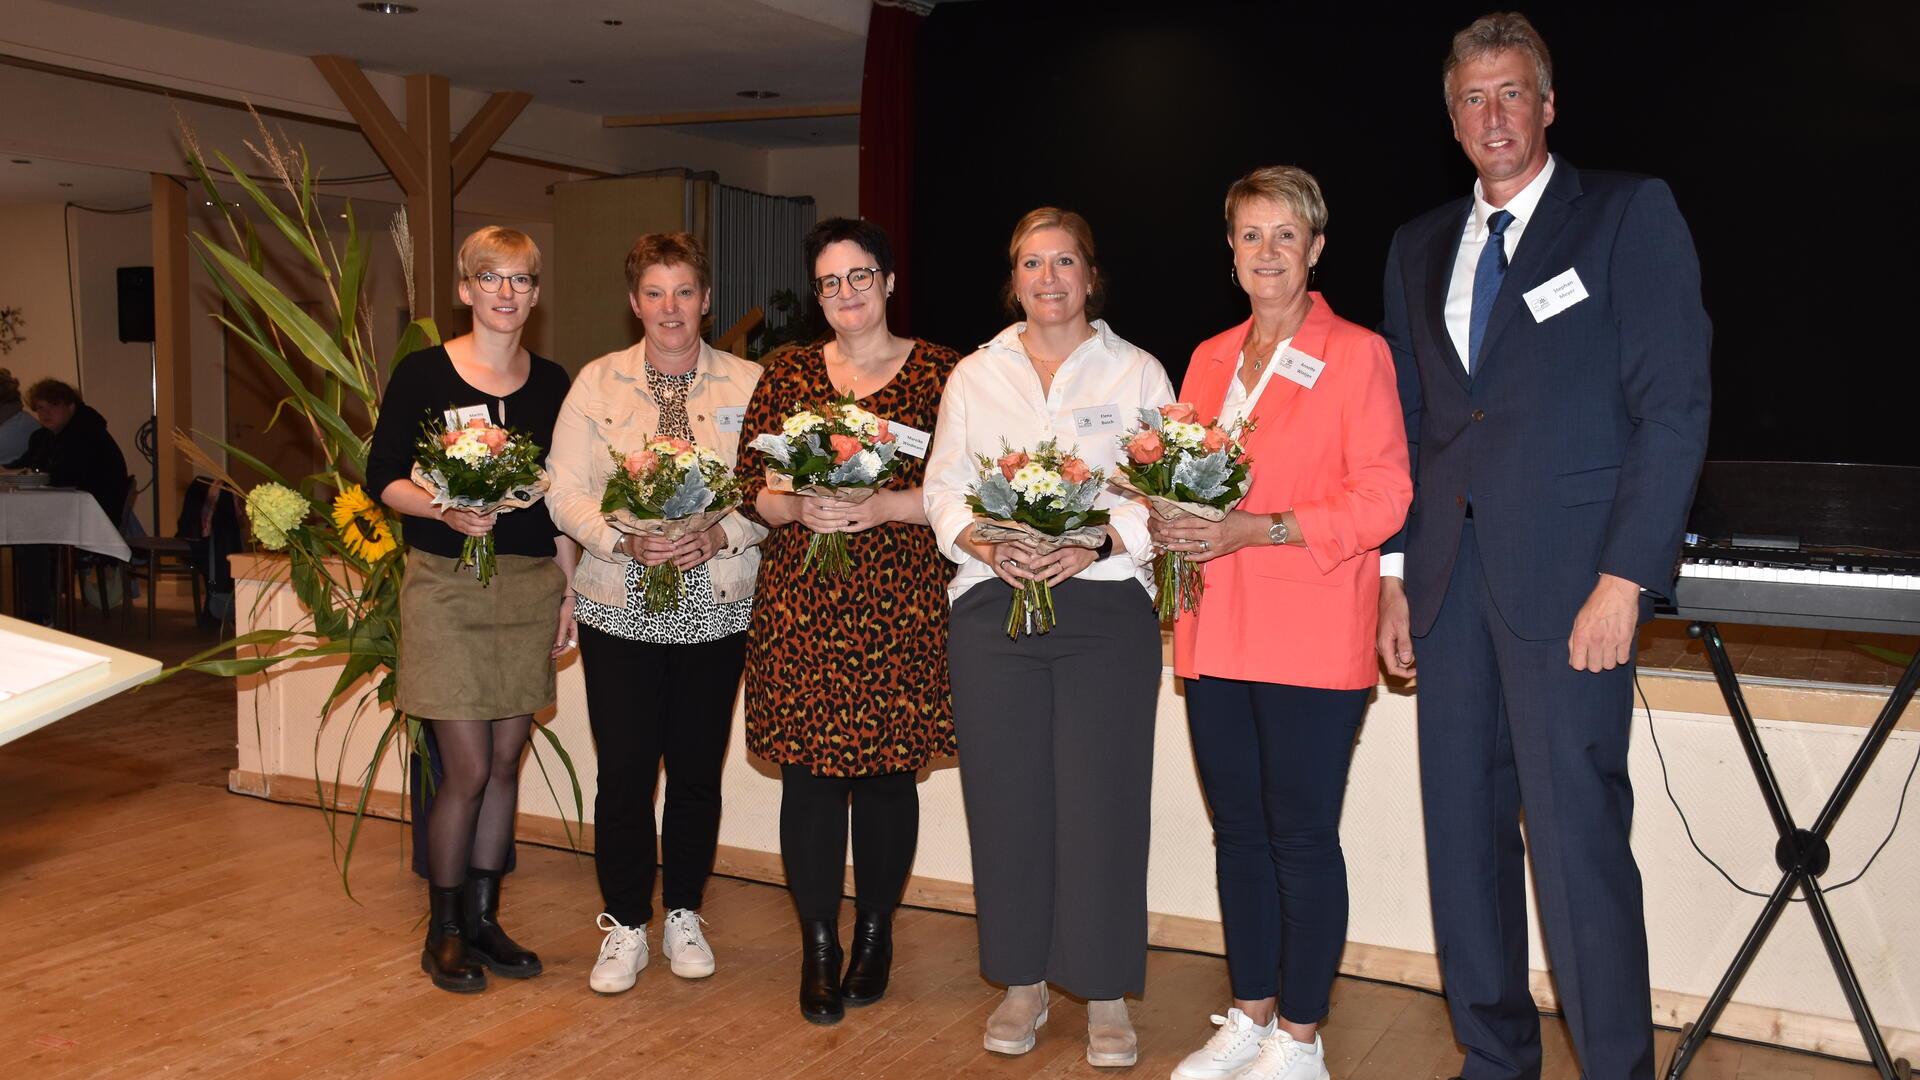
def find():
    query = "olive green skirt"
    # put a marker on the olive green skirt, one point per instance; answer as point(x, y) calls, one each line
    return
point(473, 653)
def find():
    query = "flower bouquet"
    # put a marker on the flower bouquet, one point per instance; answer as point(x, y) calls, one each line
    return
point(669, 489)
point(1044, 498)
point(1183, 468)
point(836, 451)
point(482, 469)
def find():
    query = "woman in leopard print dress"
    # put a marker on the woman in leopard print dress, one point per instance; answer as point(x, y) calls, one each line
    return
point(846, 686)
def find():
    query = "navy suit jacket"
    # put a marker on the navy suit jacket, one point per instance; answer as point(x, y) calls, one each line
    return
point(1579, 438)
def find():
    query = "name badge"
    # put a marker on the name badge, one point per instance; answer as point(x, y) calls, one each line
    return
point(1098, 420)
point(912, 441)
point(457, 418)
point(1556, 295)
point(1298, 367)
point(730, 417)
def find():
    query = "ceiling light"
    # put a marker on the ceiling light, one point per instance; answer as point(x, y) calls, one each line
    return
point(22, 161)
point(66, 183)
point(757, 95)
point(613, 22)
point(578, 82)
point(389, 9)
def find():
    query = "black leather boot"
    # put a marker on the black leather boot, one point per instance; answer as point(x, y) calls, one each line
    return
point(820, 958)
point(487, 944)
point(445, 956)
point(871, 959)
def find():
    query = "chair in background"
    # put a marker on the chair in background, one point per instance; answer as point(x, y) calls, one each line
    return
point(207, 531)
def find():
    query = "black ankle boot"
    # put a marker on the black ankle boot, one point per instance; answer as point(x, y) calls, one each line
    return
point(820, 958)
point(871, 960)
point(445, 956)
point(487, 944)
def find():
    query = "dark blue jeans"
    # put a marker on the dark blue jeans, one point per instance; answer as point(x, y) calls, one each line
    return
point(1273, 759)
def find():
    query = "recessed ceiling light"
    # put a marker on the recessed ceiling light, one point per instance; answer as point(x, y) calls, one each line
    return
point(613, 22)
point(757, 95)
point(66, 183)
point(578, 82)
point(22, 161)
point(389, 9)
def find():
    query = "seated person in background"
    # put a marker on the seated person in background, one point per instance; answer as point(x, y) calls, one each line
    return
point(16, 423)
point(75, 450)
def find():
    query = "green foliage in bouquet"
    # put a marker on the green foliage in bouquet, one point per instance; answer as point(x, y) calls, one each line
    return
point(345, 556)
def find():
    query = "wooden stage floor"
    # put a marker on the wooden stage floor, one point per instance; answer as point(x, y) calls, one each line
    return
point(163, 927)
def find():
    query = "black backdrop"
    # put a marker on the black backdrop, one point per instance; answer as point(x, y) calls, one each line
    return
point(1777, 126)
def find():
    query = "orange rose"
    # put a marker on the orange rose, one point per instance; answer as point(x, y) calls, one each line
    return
point(448, 438)
point(1180, 413)
point(883, 434)
point(1215, 440)
point(495, 439)
point(844, 447)
point(680, 446)
point(1075, 471)
point(1145, 448)
point(1010, 462)
point(477, 422)
point(640, 463)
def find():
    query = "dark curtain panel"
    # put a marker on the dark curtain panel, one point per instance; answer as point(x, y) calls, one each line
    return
point(887, 106)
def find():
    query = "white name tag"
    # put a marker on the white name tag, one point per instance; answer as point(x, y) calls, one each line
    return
point(1296, 366)
point(457, 418)
point(912, 441)
point(730, 417)
point(1555, 296)
point(1098, 420)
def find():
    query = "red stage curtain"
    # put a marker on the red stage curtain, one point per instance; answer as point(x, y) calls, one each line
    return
point(886, 143)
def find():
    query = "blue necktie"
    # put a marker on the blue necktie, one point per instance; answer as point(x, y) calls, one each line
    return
point(1487, 276)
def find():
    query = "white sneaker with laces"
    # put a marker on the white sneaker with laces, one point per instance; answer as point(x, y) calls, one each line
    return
point(623, 952)
point(1284, 1058)
point(685, 946)
point(1234, 1045)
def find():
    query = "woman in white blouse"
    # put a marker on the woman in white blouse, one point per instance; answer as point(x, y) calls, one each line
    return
point(1055, 730)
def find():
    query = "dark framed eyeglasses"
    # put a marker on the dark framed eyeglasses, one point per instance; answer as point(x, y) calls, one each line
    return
point(491, 282)
point(859, 279)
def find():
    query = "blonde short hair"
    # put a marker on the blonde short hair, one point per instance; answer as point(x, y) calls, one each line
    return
point(1052, 217)
point(495, 246)
point(1289, 185)
point(1499, 32)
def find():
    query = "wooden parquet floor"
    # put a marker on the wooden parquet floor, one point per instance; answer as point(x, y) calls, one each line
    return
point(162, 927)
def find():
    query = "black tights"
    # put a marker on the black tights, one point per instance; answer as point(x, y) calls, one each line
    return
point(471, 823)
point(813, 838)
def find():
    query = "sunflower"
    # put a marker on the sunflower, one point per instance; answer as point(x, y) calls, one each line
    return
point(362, 525)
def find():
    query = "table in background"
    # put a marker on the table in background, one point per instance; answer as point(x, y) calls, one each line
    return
point(66, 518)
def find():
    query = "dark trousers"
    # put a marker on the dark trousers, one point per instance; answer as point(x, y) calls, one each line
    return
point(1273, 760)
point(1507, 725)
point(647, 703)
point(813, 839)
point(1056, 768)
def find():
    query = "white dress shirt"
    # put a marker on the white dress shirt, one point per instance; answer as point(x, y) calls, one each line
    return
point(1240, 403)
point(994, 397)
point(1459, 309)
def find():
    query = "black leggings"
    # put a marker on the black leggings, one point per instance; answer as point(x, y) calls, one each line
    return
point(471, 822)
point(813, 839)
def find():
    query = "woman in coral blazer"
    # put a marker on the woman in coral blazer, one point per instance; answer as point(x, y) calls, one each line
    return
point(1278, 658)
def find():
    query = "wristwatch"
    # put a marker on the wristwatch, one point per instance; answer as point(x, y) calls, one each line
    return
point(1105, 549)
point(1277, 532)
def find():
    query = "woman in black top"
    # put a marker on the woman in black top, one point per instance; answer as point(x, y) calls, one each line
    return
point(476, 660)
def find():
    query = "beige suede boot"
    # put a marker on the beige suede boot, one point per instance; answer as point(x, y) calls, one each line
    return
point(1011, 1028)
point(1110, 1037)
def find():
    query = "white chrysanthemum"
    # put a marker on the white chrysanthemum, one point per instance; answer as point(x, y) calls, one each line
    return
point(1188, 436)
point(802, 422)
point(856, 416)
point(685, 458)
point(1028, 475)
point(1049, 485)
point(469, 449)
point(710, 457)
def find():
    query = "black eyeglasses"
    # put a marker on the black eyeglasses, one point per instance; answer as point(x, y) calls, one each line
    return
point(491, 282)
point(859, 279)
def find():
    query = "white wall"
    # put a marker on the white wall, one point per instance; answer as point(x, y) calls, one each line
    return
point(831, 174)
point(33, 278)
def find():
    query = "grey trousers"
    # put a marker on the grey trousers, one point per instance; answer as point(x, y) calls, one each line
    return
point(1056, 767)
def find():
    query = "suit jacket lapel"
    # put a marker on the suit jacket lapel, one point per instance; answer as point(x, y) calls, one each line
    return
point(1532, 263)
point(1441, 253)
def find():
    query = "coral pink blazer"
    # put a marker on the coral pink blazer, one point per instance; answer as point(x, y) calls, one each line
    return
point(1336, 455)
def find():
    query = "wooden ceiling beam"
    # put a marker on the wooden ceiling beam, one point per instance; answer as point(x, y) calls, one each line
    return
point(377, 122)
point(494, 117)
point(733, 116)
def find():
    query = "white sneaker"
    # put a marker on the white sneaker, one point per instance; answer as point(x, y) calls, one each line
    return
point(623, 952)
point(685, 946)
point(1282, 1058)
point(1233, 1047)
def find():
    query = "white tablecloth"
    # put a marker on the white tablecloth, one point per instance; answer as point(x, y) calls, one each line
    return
point(61, 516)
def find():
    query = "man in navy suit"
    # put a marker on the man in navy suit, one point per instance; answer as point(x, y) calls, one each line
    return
point(1552, 358)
